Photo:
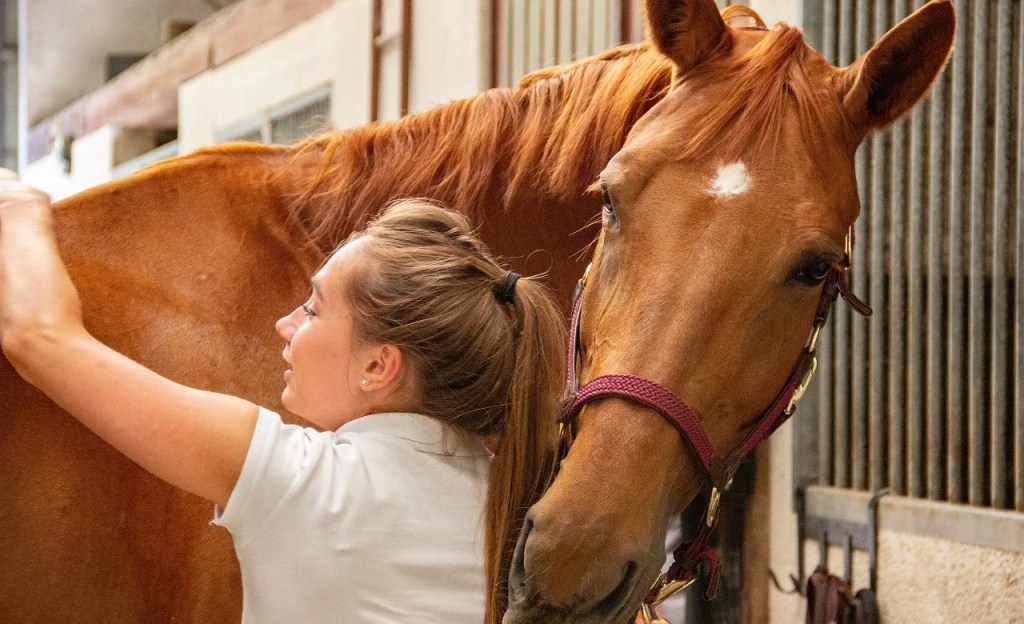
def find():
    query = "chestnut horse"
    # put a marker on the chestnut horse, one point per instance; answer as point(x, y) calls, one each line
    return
point(734, 186)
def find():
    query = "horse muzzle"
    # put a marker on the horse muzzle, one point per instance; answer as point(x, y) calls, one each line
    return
point(566, 573)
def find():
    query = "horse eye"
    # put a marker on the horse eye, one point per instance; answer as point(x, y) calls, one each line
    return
point(813, 273)
point(609, 208)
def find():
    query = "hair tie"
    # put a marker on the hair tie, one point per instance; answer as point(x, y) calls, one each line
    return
point(505, 290)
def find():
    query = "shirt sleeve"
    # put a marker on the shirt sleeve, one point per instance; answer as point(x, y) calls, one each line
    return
point(280, 458)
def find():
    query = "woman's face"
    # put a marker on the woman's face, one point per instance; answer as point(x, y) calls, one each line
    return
point(324, 355)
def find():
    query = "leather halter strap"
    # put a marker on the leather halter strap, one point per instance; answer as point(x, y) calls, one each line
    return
point(717, 471)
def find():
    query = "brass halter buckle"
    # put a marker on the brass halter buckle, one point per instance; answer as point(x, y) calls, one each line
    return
point(802, 387)
point(666, 589)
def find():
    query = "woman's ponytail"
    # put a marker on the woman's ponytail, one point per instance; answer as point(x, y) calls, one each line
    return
point(524, 460)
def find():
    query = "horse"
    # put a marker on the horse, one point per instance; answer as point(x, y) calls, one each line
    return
point(725, 238)
point(727, 166)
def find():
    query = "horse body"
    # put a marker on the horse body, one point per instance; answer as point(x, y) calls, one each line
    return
point(697, 283)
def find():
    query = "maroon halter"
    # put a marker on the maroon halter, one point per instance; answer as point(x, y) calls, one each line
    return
point(718, 471)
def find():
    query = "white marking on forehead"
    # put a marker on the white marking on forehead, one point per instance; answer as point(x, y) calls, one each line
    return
point(732, 180)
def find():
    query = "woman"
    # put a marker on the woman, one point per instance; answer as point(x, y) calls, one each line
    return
point(433, 374)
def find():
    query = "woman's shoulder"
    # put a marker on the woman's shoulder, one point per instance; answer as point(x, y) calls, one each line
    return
point(413, 432)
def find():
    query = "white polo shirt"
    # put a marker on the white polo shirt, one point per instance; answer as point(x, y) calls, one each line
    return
point(380, 521)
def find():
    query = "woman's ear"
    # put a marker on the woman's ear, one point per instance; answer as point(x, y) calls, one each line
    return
point(382, 367)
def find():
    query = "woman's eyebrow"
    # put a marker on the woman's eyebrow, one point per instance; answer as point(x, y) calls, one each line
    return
point(316, 289)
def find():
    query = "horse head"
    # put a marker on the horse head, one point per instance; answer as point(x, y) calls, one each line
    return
point(725, 213)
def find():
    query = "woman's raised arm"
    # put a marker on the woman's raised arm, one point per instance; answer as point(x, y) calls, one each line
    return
point(192, 439)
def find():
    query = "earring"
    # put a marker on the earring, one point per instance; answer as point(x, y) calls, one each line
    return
point(365, 382)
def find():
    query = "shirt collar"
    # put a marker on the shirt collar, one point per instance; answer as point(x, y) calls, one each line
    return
point(426, 434)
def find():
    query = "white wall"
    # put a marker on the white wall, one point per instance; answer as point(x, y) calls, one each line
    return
point(450, 59)
point(774, 11)
point(326, 50)
point(451, 55)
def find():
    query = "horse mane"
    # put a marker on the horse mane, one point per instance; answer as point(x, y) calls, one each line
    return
point(552, 133)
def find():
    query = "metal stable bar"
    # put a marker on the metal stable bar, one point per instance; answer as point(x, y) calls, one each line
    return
point(508, 33)
point(549, 30)
point(566, 34)
point(956, 436)
point(935, 347)
point(858, 340)
point(521, 39)
point(609, 23)
point(825, 401)
point(877, 357)
point(829, 32)
point(843, 447)
point(1018, 368)
point(841, 394)
point(584, 35)
point(976, 346)
point(405, 59)
point(574, 26)
point(878, 363)
point(895, 303)
point(845, 37)
point(998, 358)
point(497, 41)
point(376, 30)
point(625, 21)
point(826, 358)
point(598, 27)
point(914, 310)
point(533, 40)
point(895, 309)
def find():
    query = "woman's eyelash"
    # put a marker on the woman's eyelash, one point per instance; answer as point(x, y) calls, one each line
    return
point(308, 309)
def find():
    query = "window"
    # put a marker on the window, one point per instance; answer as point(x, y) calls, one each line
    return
point(288, 124)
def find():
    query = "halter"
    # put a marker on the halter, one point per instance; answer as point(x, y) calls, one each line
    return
point(717, 471)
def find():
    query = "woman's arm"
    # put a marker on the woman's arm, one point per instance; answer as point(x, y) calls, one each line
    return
point(192, 439)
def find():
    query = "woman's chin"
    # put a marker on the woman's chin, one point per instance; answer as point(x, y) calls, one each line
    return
point(287, 401)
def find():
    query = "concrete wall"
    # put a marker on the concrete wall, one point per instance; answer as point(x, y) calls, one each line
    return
point(923, 579)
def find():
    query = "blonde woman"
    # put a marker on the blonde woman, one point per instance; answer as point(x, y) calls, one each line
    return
point(432, 375)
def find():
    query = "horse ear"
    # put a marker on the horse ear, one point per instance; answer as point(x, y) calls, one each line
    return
point(899, 70)
point(686, 31)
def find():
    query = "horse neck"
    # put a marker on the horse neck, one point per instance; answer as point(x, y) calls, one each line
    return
point(539, 144)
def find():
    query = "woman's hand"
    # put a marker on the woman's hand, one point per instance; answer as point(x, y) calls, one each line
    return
point(36, 294)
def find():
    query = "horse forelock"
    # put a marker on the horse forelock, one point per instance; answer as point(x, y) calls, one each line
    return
point(551, 134)
point(772, 78)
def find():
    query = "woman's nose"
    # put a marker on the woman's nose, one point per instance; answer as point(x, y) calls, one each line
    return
point(286, 325)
